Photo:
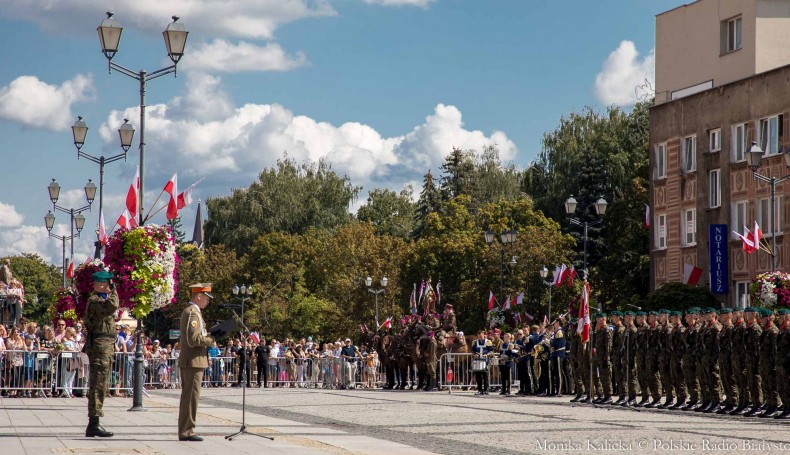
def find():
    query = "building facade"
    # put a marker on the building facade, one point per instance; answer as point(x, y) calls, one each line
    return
point(722, 90)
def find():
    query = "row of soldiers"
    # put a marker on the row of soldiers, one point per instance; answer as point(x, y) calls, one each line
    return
point(727, 361)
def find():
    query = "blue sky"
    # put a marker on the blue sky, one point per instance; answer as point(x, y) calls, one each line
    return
point(380, 88)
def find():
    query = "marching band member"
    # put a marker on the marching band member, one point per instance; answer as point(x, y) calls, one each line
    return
point(556, 360)
point(481, 349)
point(507, 352)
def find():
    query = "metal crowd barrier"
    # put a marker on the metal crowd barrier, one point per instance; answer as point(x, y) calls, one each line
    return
point(24, 372)
point(455, 372)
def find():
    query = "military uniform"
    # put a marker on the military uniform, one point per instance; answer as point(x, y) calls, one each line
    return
point(100, 325)
point(783, 365)
point(689, 363)
point(641, 340)
point(557, 358)
point(654, 348)
point(768, 364)
point(665, 360)
point(628, 365)
point(602, 373)
point(617, 357)
point(481, 349)
point(711, 384)
point(192, 360)
point(751, 341)
point(725, 365)
point(738, 366)
point(580, 360)
point(678, 343)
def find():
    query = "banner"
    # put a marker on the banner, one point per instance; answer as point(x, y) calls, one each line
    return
point(717, 245)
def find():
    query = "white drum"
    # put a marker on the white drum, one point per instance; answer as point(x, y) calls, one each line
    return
point(479, 365)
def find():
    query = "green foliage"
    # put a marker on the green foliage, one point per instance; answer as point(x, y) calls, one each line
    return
point(430, 202)
point(458, 174)
point(679, 296)
point(390, 213)
point(40, 280)
point(178, 229)
point(289, 198)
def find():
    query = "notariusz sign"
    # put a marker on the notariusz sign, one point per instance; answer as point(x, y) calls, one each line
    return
point(717, 241)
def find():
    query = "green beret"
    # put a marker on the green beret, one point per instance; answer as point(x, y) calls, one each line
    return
point(692, 310)
point(765, 312)
point(696, 309)
point(677, 313)
point(737, 310)
point(664, 311)
point(641, 313)
point(782, 311)
point(102, 276)
point(653, 313)
point(725, 311)
point(617, 313)
point(708, 310)
point(750, 309)
point(600, 315)
point(629, 313)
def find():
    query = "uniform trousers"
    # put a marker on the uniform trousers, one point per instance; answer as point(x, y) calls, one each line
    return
point(191, 378)
point(100, 356)
point(768, 378)
point(692, 381)
point(728, 380)
point(481, 377)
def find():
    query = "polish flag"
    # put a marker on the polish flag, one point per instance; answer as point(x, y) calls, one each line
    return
point(491, 300)
point(70, 272)
point(647, 216)
point(691, 274)
point(171, 188)
point(127, 220)
point(387, 323)
point(528, 316)
point(102, 229)
point(133, 195)
point(583, 328)
point(758, 235)
point(507, 302)
point(571, 276)
point(562, 275)
point(185, 198)
point(520, 299)
point(545, 320)
point(748, 243)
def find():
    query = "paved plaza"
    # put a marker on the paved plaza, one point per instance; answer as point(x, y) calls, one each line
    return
point(378, 422)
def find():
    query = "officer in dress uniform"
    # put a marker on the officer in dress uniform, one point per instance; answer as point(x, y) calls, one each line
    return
point(557, 359)
point(193, 359)
point(481, 348)
point(100, 325)
point(783, 362)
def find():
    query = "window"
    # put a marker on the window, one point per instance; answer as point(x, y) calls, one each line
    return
point(661, 231)
point(741, 294)
point(763, 215)
point(689, 227)
point(714, 188)
point(661, 161)
point(739, 142)
point(731, 35)
point(769, 134)
point(690, 153)
point(714, 140)
point(739, 211)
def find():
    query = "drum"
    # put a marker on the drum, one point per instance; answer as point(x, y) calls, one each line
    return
point(479, 365)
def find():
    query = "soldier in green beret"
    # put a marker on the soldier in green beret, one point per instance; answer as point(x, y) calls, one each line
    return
point(676, 341)
point(100, 326)
point(628, 364)
point(642, 332)
point(710, 363)
point(665, 358)
point(618, 354)
point(653, 354)
point(768, 362)
point(738, 362)
point(690, 361)
point(752, 345)
point(783, 362)
point(725, 363)
point(602, 347)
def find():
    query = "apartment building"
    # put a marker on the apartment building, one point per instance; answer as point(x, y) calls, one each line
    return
point(722, 81)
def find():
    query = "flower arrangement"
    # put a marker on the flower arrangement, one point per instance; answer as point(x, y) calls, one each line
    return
point(771, 289)
point(64, 306)
point(495, 318)
point(83, 282)
point(145, 265)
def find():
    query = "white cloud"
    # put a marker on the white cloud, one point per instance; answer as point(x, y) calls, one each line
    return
point(236, 18)
point(231, 149)
point(623, 73)
point(9, 217)
point(420, 3)
point(35, 103)
point(223, 56)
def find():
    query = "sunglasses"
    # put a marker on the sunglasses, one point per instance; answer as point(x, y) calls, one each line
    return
point(61, 325)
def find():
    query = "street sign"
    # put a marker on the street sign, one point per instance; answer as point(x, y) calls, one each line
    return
point(175, 334)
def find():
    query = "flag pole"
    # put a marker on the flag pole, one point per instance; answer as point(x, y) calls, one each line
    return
point(146, 217)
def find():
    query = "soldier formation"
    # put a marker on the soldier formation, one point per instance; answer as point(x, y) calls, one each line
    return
point(727, 361)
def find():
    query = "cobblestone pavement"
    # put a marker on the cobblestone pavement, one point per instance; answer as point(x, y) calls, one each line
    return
point(461, 423)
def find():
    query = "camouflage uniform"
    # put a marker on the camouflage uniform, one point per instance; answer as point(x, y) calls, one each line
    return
point(665, 362)
point(617, 359)
point(752, 347)
point(725, 365)
point(641, 340)
point(654, 349)
point(629, 364)
point(580, 358)
point(768, 366)
point(602, 343)
point(710, 365)
point(691, 340)
point(678, 342)
point(738, 365)
point(783, 367)
point(100, 324)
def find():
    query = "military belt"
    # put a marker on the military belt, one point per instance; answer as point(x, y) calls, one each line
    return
point(103, 336)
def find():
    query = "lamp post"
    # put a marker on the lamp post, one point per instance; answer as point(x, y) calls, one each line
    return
point(76, 218)
point(80, 130)
point(600, 210)
point(175, 36)
point(507, 239)
point(376, 292)
point(544, 272)
point(755, 155)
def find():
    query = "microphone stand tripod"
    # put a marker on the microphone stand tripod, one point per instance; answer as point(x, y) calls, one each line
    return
point(242, 371)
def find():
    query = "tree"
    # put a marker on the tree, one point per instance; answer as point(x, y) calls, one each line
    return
point(429, 202)
point(679, 296)
point(40, 280)
point(492, 181)
point(178, 229)
point(289, 198)
point(457, 170)
point(390, 213)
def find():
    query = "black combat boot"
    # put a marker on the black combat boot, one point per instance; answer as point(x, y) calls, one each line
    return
point(740, 410)
point(714, 407)
point(678, 404)
point(620, 400)
point(726, 409)
point(606, 400)
point(577, 398)
point(770, 411)
point(705, 405)
point(754, 410)
point(690, 406)
point(666, 404)
point(654, 403)
point(95, 429)
point(785, 414)
point(644, 401)
point(630, 402)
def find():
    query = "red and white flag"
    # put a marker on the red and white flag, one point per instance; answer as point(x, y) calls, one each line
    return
point(70, 272)
point(691, 274)
point(747, 240)
point(528, 316)
point(171, 188)
point(571, 276)
point(583, 328)
point(507, 302)
point(133, 195)
point(185, 198)
point(127, 220)
point(647, 216)
point(545, 320)
point(758, 235)
point(102, 229)
point(560, 274)
point(387, 323)
point(520, 299)
point(491, 300)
